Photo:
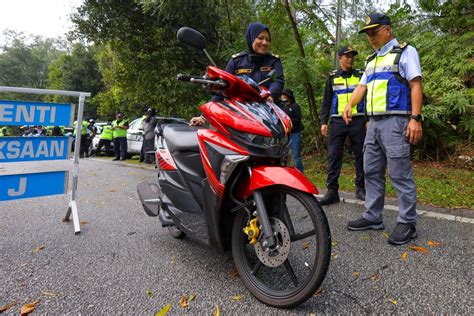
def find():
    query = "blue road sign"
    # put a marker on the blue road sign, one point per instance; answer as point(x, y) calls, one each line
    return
point(20, 149)
point(22, 186)
point(35, 113)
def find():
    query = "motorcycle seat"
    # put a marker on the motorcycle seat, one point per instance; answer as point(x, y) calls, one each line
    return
point(180, 137)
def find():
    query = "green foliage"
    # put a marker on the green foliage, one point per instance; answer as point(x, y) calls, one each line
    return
point(77, 71)
point(140, 56)
point(24, 62)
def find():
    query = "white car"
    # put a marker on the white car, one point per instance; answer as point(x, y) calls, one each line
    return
point(135, 132)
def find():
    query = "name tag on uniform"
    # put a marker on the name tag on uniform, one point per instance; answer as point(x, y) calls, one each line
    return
point(243, 71)
point(265, 68)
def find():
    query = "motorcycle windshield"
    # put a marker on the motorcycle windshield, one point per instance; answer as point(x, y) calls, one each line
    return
point(265, 114)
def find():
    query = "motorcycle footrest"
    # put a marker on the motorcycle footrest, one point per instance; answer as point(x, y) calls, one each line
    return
point(165, 219)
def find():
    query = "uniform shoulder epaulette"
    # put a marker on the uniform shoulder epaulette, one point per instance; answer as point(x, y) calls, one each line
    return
point(238, 54)
point(332, 73)
point(275, 55)
point(399, 48)
point(371, 56)
point(359, 71)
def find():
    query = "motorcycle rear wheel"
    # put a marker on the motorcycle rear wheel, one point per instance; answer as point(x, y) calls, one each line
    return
point(291, 274)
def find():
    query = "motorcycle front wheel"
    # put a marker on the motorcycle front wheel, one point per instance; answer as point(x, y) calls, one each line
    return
point(291, 273)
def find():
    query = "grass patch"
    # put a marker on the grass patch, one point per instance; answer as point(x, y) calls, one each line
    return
point(437, 184)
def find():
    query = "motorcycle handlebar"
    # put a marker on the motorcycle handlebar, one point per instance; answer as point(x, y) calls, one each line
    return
point(188, 78)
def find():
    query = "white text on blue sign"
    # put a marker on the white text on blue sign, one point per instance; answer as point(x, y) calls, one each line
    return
point(19, 149)
point(21, 186)
point(35, 113)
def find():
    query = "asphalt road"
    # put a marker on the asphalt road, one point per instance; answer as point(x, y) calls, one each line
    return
point(124, 262)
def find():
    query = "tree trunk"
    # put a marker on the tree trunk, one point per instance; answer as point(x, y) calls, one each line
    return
point(313, 109)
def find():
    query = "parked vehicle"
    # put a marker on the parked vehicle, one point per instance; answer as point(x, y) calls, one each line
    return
point(228, 187)
point(135, 132)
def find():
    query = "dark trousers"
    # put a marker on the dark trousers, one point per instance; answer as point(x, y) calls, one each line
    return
point(84, 149)
point(106, 143)
point(120, 147)
point(338, 132)
point(149, 150)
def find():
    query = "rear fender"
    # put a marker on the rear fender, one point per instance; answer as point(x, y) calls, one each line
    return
point(266, 176)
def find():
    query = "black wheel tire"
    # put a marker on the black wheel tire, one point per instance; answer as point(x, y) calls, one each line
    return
point(176, 232)
point(282, 299)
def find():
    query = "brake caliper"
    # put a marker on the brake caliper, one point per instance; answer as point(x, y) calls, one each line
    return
point(252, 231)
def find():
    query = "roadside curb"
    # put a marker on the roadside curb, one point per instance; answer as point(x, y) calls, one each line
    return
point(439, 215)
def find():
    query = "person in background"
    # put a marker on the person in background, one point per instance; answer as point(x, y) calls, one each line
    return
point(91, 132)
point(106, 138)
point(392, 82)
point(119, 128)
point(4, 132)
point(149, 124)
point(83, 148)
point(142, 149)
point(339, 87)
point(56, 131)
point(256, 63)
point(288, 104)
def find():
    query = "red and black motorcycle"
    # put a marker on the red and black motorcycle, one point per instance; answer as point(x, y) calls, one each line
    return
point(227, 186)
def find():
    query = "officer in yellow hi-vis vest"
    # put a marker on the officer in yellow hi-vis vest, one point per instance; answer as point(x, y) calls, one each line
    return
point(106, 137)
point(339, 87)
point(119, 128)
point(392, 82)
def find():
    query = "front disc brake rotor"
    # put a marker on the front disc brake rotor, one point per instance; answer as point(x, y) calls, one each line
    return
point(276, 257)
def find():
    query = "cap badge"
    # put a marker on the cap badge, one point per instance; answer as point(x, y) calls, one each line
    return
point(368, 20)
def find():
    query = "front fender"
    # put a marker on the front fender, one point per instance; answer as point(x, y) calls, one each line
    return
point(265, 176)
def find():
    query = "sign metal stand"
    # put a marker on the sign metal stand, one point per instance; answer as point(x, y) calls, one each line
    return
point(75, 168)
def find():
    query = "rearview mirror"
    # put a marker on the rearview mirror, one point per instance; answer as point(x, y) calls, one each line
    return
point(191, 38)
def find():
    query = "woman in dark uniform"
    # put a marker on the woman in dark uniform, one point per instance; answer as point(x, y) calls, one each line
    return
point(256, 63)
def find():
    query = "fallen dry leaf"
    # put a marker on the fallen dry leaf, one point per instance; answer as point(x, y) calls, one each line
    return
point(375, 276)
point(386, 234)
point(393, 301)
point(28, 308)
point(149, 293)
point(404, 256)
point(417, 248)
point(364, 237)
point(236, 297)
point(124, 184)
point(305, 245)
point(83, 223)
point(183, 302)
point(216, 310)
point(334, 255)
point(7, 307)
point(38, 249)
point(356, 274)
point(49, 294)
point(318, 292)
point(233, 273)
point(192, 297)
point(164, 310)
point(432, 243)
point(112, 190)
point(334, 243)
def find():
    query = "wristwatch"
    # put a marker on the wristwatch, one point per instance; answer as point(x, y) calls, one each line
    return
point(416, 117)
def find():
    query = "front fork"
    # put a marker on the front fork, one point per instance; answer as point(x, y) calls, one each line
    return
point(268, 239)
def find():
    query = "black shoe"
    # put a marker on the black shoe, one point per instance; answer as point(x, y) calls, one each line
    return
point(363, 224)
point(402, 234)
point(331, 197)
point(115, 159)
point(360, 193)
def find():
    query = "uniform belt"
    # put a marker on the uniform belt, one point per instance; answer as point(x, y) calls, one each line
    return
point(382, 117)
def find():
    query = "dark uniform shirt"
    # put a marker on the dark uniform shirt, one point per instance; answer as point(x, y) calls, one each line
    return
point(257, 67)
point(294, 112)
point(328, 92)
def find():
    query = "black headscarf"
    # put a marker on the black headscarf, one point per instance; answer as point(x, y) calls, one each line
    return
point(253, 30)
